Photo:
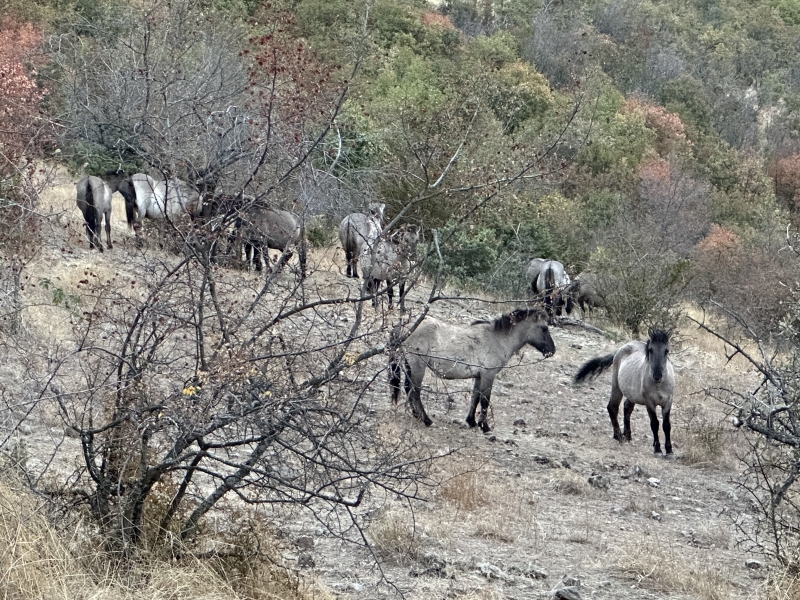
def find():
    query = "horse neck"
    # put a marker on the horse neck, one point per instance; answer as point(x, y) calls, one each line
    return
point(513, 339)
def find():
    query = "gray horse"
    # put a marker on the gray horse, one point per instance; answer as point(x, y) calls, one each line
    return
point(390, 260)
point(478, 352)
point(94, 201)
point(642, 374)
point(263, 228)
point(146, 197)
point(549, 280)
point(358, 231)
point(584, 291)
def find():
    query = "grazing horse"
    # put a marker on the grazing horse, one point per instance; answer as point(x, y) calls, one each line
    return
point(643, 374)
point(158, 200)
point(94, 201)
point(478, 352)
point(549, 280)
point(584, 291)
point(358, 231)
point(390, 260)
point(264, 228)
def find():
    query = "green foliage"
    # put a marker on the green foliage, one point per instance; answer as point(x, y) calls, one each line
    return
point(623, 140)
point(686, 96)
point(60, 297)
point(520, 94)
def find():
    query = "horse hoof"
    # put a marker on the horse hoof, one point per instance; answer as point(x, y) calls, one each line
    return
point(427, 422)
point(485, 427)
point(470, 422)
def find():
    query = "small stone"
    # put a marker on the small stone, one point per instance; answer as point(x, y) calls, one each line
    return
point(70, 431)
point(604, 584)
point(752, 563)
point(356, 587)
point(491, 571)
point(520, 423)
point(654, 515)
point(24, 429)
point(542, 460)
point(567, 593)
point(571, 581)
point(654, 482)
point(305, 541)
point(305, 561)
point(600, 482)
point(492, 438)
point(534, 572)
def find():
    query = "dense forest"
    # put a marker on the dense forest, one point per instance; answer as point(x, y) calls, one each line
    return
point(654, 144)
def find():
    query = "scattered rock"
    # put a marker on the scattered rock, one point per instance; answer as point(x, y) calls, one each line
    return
point(531, 572)
point(491, 571)
point(520, 423)
point(571, 581)
point(654, 515)
point(305, 541)
point(752, 563)
point(542, 460)
point(305, 561)
point(72, 432)
point(601, 482)
point(492, 438)
point(565, 463)
point(567, 593)
point(654, 482)
point(604, 584)
point(24, 429)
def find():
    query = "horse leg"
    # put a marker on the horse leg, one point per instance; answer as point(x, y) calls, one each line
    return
point(108, 228)
point(481, 392)
point(394, 380)
point(667, 428)
point(613, 410)
point(402, 295)
point(414, 376)
point(390, 293)
point(651, 410)
point(627, 411)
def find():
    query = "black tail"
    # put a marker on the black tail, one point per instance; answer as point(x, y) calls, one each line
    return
point(394, 380)
point(128, 192)
point(301, 251)
point(594, 367)
point(91, 212)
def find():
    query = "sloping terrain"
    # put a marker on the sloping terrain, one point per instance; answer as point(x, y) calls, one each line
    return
point(511, 514)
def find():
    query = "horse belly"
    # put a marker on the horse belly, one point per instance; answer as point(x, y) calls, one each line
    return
point(453, 369)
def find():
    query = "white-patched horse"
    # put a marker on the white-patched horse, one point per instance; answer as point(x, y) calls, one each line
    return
point(358, 231)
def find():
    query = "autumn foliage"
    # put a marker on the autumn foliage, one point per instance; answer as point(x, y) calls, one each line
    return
point(668, 126)
point(19, 96)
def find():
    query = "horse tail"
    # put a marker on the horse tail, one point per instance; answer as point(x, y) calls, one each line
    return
point(549, 279)
point(91, 211)
point(130, 202)
point(301, 249)
point(594, 367)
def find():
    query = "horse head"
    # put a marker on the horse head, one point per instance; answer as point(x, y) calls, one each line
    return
point(538, 332)
point(375, 211)
point(656, 352)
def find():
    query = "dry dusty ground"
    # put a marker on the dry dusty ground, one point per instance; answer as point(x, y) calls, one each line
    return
point(514, 513)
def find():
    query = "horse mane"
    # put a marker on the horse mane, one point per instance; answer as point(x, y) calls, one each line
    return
point(659, 336)
point(507, 321)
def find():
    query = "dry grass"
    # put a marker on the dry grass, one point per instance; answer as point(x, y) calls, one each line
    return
point(657, 566)
point(570, 483)
point(36, 562)
point(465, 491)
point(783, 586)
point(393, 537)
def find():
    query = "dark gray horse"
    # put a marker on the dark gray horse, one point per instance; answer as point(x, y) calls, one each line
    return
point(263, 228)
point(584, 291)
point(94, 201)
point(390, 260)
point(358, 231)
point(548, 280)
point(642, 374)
point(479, 352)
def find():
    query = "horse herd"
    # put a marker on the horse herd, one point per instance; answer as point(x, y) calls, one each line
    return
point(642, 372)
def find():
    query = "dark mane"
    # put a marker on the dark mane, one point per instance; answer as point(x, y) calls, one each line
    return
point(507, 321)
point(659, 336)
